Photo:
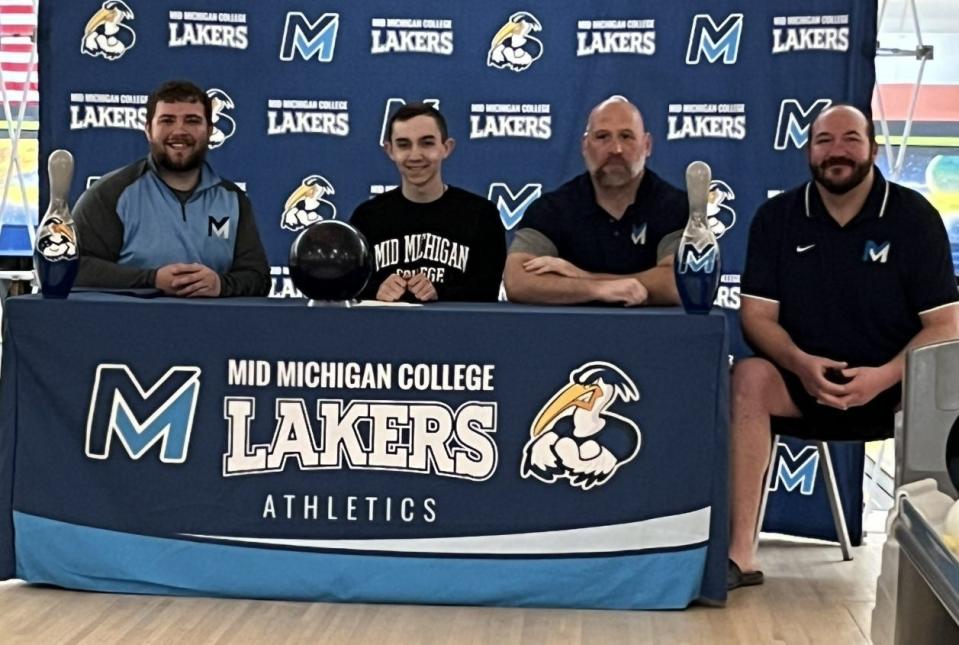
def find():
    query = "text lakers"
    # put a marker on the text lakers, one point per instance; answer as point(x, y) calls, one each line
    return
point(425, 437)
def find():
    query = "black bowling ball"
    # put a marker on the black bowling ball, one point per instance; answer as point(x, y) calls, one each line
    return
point(952, 454)
point(330, 260)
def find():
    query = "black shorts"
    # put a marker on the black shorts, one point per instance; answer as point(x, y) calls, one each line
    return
point(874, 420)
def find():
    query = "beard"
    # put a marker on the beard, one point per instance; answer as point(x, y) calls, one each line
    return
point(190, 160)
point(614, 174)
point(840, 187)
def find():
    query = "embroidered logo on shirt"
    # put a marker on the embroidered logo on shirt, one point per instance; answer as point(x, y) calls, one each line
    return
point(218, 227)
point(639, 234)
point(803, 249)
point(876, 252)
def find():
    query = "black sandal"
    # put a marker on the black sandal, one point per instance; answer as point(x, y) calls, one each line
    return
point(735, 578)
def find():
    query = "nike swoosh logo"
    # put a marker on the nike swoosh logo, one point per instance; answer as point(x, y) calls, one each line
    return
point(803, 249)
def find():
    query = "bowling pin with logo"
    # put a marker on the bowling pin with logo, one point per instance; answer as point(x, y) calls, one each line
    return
point(697, 258)
point(57, 256)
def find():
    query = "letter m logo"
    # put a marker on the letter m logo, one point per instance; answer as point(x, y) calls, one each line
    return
point(310, 38)
point(794, 122)
point(697, 261)
point(140, 418)
point(218, 227)
point(875, 252)
point(796, 469)
point(512, 206)
point(707, 39)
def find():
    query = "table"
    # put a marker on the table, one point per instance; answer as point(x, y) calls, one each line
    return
point(265, 449)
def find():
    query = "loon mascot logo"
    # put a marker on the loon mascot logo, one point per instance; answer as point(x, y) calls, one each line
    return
point(105, 34)
point(512, 47)
point(720, 216)
point(223, 124)
point(307, 205)
point(575, 436)
point(58, 242)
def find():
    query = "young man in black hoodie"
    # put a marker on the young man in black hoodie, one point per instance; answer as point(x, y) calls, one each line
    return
point(431, 241)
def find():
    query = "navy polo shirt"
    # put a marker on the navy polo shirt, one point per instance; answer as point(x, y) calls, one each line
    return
point(592, 239)
point(851, 293)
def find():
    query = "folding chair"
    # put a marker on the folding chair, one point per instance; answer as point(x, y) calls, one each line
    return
point(788, 426)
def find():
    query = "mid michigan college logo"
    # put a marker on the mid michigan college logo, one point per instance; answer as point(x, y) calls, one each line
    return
point(411, 36)
point(309, 38)
point(877, 252)
point(513, 47)
point(576, 437)
point(707, 121)
point(512, 205)
point(713, 42)
point(810, 33)
point(140, 418)
point(719, 214)
point(105, 33)
point(223, 124)
point(208, 29)
point(308, 116)
point(511, 120)
point(694, 259)
point(56, 241)
point(120, 111)
point(218, 227)
point(794, 121)
point(615, 36)
point(794, 470)
point(413, 436)
point(308, 204)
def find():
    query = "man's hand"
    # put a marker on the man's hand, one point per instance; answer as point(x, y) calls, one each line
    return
point(391, 289)
point(188, 281)
point(421, 288)
point(628, 291)
point(865, 384)
point(811, 370)
point(549, 264)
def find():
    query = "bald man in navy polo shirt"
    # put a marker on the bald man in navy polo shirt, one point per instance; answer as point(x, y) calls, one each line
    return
point(608, 235)
point(843, 275)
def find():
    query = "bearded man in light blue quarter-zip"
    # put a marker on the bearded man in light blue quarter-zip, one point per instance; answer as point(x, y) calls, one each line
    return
point(169, 221)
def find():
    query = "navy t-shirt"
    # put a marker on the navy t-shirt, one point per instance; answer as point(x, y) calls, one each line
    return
point(851, 293)
point(592, 239)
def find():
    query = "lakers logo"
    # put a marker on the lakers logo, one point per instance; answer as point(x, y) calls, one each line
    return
point(223, 124)
point(720, 215)
point(576, 436)
point(308, 204)
point(56, 241)
point(105, 34)
point(513, 47)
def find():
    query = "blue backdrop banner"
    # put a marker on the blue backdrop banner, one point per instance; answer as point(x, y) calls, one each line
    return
point(303, 89)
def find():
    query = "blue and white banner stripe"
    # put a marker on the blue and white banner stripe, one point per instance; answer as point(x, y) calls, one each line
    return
point(81, 557)
point(659, 533)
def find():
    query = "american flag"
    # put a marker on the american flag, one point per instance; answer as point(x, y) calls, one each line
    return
point(18, 25)
point(19, 108)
